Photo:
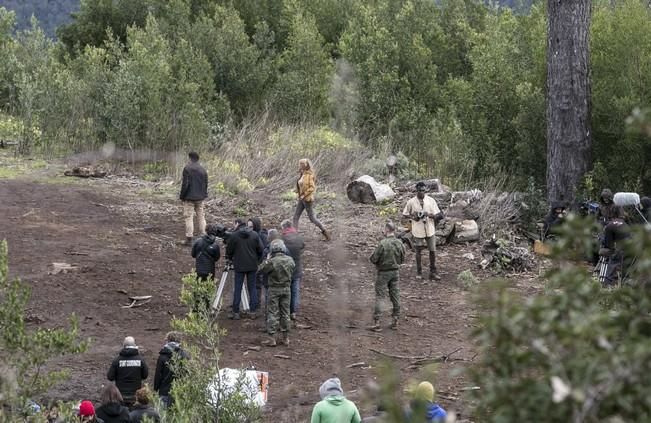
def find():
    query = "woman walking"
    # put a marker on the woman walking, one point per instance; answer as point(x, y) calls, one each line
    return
point(306, 186)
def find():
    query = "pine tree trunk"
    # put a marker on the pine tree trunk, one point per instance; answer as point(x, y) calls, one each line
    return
point(569, 136)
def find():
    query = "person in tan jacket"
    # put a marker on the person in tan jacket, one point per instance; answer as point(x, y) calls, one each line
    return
point(423, 213)
point(305, 187)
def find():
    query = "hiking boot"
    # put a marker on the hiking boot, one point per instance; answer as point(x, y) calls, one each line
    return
point(376, 326)
point(234, 316)
point(253, 315)
point(433, 276)
point(285, 339)
point(292, 317)
point(394, 324)
point(326, 235)
point(270, 341)
point(188, 240)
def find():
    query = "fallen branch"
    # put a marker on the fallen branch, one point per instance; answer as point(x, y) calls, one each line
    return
point(283, 356)
point(354, 365)
point(400, 357)
point(441, 359)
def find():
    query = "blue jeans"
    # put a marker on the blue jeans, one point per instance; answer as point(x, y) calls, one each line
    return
point(295, 288)
point(250, 287)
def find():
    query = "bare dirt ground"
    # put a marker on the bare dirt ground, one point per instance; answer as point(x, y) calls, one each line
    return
point(126, 242)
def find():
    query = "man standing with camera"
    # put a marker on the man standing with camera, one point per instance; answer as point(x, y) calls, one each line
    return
point(423, 213)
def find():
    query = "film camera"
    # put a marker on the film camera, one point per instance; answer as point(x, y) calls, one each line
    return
point(418, 216)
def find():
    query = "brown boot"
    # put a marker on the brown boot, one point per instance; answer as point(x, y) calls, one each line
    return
point(271, 341)
point(188, 240)
point(375, 327)
point(433, 274)
point(394, 323)
point(326, 235)
point(285, 339)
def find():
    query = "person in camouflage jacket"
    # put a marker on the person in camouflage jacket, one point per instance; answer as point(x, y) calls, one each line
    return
point(387, 258)
point(279, 267)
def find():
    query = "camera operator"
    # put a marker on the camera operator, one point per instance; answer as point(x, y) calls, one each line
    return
point(554, 219)
point(423, 213)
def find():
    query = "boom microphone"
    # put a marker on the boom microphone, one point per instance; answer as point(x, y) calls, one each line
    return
point(624, 199)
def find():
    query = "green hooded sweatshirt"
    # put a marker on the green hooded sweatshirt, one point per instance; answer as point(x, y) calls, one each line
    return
point(335, 409)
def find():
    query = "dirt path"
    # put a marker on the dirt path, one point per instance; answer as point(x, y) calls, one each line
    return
point(127, 244)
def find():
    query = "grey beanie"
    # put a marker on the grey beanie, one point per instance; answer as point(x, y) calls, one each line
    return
point(331, 388)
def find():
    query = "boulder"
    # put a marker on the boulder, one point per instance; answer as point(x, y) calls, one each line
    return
point(466, 231)
point(444, 230)
point(367, 190)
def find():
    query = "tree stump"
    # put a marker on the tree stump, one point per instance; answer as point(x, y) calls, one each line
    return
point(367, 190)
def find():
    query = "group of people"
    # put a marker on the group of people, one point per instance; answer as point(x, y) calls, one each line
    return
point(610, 256)
point(126, 399)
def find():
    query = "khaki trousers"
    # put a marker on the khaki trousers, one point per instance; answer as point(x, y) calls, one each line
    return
point(190, 208)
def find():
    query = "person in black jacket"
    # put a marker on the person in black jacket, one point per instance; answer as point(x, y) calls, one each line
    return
point(295, 244)
point(645, 208)
point(164, 374)
point(128, 370)
point(206, 253)
point(554, 219)
point(194, 189)
point(244, 249)
point(112, 410)
point(143, 407)
point(255, 224)
point(615, 233)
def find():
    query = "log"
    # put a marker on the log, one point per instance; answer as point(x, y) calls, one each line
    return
point(367, 190)
point(85, 172)
point(466, 231)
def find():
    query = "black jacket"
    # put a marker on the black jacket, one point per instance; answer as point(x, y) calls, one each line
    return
point(195, 183)
point(140, 411)
point(553, 219)
point(165, 375)
point(244, 248)
point(615, 232)
point(113, 413)
point(295, 245)
point(206, 252)
point(128, 371)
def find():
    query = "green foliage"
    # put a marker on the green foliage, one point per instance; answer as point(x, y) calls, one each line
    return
point(26, 351)
point(192, 398)
point(467, 280)
point(574, 353)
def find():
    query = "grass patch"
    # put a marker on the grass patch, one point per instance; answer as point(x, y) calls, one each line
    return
point(13, 167)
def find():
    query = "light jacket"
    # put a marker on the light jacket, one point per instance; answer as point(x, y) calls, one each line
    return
point(423, 228)
point(335, 409)
point(306, 186)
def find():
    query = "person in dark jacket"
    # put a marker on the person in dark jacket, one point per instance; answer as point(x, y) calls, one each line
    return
point(554, 219)
point(255, 224)
point(244, 249)
point(645, 208)
point(606, 207)
point(206, 253)
point(615, 232)
point(194, 189)
point(164, 374)
point(143, 407)
point(128, 370)
point(112, 410)
point(295, 245)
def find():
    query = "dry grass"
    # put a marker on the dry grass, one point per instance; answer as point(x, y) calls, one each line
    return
point(498, 209)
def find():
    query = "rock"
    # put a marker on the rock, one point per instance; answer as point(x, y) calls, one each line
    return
point(62, 268)
point(367, 190)
point(431, 186)
point(444, 230)
point(466, 231)
point(469, 256)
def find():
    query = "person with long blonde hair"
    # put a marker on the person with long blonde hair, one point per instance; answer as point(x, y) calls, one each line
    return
point(306, 187)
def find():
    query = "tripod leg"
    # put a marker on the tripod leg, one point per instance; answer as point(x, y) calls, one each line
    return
point(220, 291)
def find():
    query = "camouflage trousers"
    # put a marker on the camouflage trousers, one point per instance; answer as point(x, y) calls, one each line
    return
point(387, 280)
point(278, 309)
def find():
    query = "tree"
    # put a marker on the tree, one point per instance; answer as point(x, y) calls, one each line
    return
point(569, 136)
point(25, 352)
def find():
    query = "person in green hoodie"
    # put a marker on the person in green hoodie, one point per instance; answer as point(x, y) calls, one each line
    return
point(334, 407)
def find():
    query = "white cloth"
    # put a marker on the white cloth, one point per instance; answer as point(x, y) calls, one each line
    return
point(423, 228)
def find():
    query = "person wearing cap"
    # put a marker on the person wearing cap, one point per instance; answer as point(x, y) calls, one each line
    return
point(387, 258)
point(279, 267)
point(423, 407)
point(86, 413)
point(423, 213)
point(165, 373)
point(128, 370)
point(334, 407)
point(295, 245)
